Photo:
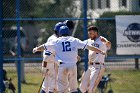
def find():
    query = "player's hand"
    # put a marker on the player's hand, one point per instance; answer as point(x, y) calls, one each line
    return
point(34, 50)
point(89, 62)
point(103, 52)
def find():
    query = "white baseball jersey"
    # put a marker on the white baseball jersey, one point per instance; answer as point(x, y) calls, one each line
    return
point(94, 56)
point(51, 39)
point(66, 49)
point(50, 83)
point(48, 53)
point(93, 75)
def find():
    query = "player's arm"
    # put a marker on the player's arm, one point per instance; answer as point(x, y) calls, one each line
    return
point(84, 45)
point(39, 48)
point(107, 42)
point(92, 48)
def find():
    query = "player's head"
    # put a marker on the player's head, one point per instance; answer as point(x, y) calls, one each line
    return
point(57, 27)
point(92, 32)
point(69, 24)
point(64, 31)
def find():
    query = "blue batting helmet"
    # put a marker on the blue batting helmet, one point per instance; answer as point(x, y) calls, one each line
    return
point(64, 30)
point(58, 25)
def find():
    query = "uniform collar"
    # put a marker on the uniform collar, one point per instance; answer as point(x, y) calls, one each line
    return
point(97, 38)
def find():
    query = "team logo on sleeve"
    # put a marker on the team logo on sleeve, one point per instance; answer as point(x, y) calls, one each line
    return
point(95, 45)
point(133, 32)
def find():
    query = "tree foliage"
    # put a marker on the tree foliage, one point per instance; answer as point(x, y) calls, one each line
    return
point(38, 8)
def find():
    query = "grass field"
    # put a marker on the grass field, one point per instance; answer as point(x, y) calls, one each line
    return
point(33, 80)
point(123, 81)
point(126, 81)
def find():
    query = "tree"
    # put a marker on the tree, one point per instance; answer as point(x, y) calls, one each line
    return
point(39, 9)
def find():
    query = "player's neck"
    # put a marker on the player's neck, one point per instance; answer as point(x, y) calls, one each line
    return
point(96, 38)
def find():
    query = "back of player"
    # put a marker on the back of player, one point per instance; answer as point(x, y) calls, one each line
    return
point(66, 49)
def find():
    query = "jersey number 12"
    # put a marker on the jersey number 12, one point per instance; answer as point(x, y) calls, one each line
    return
point(66, 46)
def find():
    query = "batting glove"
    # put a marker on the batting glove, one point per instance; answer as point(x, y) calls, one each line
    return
point(34, 49)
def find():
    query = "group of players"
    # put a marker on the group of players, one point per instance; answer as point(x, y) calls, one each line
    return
point(61, 54)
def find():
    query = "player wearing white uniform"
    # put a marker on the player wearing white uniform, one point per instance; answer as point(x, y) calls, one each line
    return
point(93, 75)
point(66, 51)
point(49, 66)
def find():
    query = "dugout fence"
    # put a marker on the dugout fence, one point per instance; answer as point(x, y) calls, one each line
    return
point(26, 24)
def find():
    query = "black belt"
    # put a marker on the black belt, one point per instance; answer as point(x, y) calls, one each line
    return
point(61, 63)
point(48, 53)
point(97, 63)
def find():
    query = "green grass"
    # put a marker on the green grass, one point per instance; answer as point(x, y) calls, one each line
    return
point(33, 81)
point(126, 81)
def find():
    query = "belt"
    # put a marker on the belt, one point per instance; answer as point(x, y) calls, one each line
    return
point(97, 63)
point(48, 53)
point(61, 63)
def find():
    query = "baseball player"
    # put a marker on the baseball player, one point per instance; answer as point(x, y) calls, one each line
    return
point(93, 75)
point(66, 51)
point(49, 67)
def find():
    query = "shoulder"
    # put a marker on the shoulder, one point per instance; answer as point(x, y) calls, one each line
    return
point(75, 39)
point(71, 38)
point(85, 40)
point(89, 41)
point(103, 39)
point(106, 42)
point(51, 38)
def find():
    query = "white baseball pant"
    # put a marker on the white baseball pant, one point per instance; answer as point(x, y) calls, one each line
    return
point(50, 81)
point(67, 78)
point(91, 78)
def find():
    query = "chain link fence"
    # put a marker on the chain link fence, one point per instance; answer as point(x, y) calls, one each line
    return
point(35, 20)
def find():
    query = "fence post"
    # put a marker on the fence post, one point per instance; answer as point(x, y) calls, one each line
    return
point(136, 63)
point(85, 31)
point(18, 42)
point(1, 48)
